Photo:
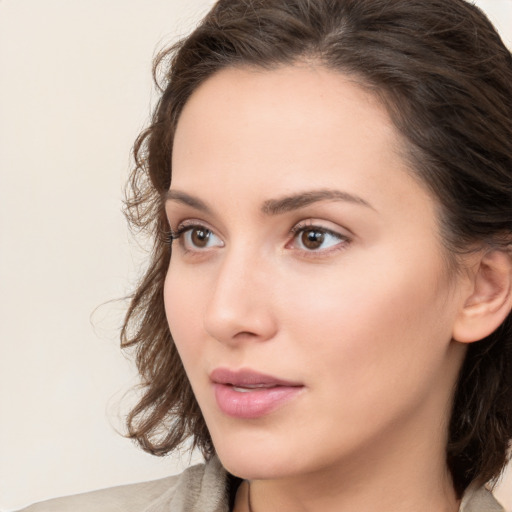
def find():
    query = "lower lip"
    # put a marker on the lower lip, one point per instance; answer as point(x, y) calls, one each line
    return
point(255, 403)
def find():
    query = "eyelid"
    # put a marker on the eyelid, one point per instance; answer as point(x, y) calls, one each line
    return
point(322, 225)
point(344, 236)
point(179, 214)
point(188, 225)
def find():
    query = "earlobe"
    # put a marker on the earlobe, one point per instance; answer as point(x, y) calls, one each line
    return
point(490, 299)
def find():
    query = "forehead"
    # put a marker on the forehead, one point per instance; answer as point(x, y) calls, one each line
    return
point(295, 102)
point(270, 132)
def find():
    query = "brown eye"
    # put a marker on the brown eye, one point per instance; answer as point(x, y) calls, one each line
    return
point(317, 239)
point(199, 237)
point(195, 238)
point(312, 238)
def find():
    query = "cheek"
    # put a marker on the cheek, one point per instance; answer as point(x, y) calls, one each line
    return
point(372, 321)
point(183, 308)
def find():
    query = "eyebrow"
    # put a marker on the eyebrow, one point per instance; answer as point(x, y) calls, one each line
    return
point(302, 199)
point(184, 198)
point(276, 206)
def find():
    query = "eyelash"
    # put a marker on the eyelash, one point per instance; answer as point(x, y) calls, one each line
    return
point(173, 235)
point(344, 240)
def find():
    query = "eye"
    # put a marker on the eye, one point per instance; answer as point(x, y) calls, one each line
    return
point(316, 238)
point(197, 237)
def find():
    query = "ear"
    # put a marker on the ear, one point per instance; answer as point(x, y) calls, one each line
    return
point(490, 298)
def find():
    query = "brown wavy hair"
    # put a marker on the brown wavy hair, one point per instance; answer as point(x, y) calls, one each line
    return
point(445, 77)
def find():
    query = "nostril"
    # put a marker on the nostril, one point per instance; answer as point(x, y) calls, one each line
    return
point(239, 309)
point(237, 325)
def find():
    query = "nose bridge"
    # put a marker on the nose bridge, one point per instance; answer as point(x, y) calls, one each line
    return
point(241, 301)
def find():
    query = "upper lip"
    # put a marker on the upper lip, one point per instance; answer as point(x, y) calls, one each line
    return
point(247, 377)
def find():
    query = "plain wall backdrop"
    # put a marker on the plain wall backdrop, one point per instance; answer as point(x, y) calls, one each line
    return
point(75, 90)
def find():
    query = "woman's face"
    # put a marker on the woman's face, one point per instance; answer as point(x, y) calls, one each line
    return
point(307, 292)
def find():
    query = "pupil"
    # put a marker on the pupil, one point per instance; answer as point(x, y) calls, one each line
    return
point(200, 237)
point(312, 239)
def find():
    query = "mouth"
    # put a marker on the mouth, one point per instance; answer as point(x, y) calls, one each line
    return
point(248, 379)
point(247, 394)
point(248, 389)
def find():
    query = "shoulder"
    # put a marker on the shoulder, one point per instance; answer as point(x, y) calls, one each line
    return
point(479, 499)
point(201, 487)
point(126, 498)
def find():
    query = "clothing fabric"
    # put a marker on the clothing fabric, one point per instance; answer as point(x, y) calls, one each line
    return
point(200, 488)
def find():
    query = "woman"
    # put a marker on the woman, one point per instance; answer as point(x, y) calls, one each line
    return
point(332, 329)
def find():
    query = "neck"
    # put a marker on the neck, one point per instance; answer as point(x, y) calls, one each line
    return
point(315, 496)
point(418, 481)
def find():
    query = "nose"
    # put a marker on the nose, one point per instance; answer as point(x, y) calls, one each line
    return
point(241, 303)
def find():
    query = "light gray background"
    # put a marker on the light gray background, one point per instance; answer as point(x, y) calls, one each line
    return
point(75, 89)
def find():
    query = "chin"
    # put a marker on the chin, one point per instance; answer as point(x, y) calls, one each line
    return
point(254, 469)
point(257, 461)
point(245, 462)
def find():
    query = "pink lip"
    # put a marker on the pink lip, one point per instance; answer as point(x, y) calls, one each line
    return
point(259, 395)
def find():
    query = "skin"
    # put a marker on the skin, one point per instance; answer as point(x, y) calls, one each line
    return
point(364, 321)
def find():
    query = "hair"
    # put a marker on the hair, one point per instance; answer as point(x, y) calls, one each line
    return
point(445, 77)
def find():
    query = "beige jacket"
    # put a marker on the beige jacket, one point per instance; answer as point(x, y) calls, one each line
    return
point(201, 488)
